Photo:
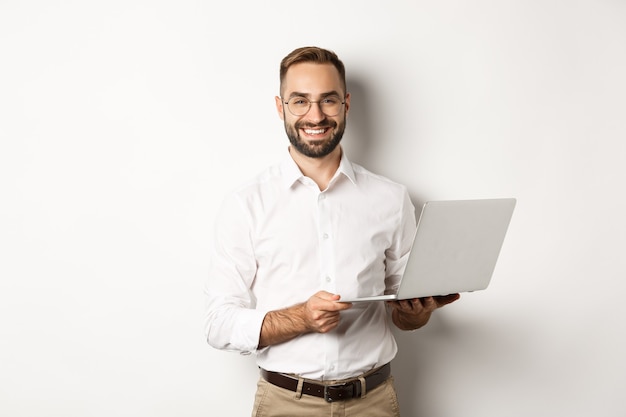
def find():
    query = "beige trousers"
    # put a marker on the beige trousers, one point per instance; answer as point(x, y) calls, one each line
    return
point(273, 401)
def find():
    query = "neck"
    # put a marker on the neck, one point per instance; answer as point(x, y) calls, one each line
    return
point(321, 170)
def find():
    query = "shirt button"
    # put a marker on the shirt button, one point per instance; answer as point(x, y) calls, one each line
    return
point(325, 235)
point(328, 279)
point(322, 196)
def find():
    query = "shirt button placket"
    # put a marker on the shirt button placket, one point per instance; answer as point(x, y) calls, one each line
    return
point(326, 244)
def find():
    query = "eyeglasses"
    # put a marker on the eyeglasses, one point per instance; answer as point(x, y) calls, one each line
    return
point(330, 105)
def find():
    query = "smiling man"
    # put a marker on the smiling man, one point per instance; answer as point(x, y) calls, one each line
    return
point(294, 240)
point(320, 132)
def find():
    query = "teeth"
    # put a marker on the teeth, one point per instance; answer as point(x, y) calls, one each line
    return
point(313, 132)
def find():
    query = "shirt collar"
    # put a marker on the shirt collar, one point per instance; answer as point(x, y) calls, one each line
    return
point(345, 167)
point(291, 172)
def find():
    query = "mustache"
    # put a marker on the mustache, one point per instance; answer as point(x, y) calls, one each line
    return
point(322, 125)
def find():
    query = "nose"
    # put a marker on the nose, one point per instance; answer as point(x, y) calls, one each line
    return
point(315, 112)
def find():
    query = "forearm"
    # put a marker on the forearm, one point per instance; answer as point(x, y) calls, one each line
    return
point(282, 325)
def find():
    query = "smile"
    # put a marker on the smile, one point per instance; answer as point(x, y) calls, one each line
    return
point(314, 131)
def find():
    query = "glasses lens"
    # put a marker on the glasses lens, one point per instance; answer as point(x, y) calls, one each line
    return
point(331, 105)
point(298, 106)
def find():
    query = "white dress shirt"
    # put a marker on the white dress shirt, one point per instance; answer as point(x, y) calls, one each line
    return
point(279, 240)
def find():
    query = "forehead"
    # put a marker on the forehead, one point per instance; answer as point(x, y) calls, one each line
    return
point(311, 78)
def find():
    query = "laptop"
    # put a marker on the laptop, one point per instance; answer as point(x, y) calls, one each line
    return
point(455, 248)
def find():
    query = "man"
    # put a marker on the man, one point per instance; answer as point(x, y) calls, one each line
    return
point(293, 241)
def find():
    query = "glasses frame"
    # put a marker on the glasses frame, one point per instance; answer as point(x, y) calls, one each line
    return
point(311, 104)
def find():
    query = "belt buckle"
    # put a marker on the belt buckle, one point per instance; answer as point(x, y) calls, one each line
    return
point(342, 389)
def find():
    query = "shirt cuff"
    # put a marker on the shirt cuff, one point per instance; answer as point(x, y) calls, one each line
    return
point(247, 333)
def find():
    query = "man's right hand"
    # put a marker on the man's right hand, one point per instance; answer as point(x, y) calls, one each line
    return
point(321, 311)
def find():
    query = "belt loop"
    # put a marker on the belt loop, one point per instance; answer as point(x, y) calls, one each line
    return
point(363, 387)
point(299, 388)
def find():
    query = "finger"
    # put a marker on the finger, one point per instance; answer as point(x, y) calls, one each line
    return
point(406, 306)
point(336, 306)
point(428, 303)
point(330, 303)
point(446, 299)
point(342, 305)
point(328, 321)
point(328, 326)
point(401, 305)
point(324, 295)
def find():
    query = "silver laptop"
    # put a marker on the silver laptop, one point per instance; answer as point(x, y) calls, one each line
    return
point(455, 249)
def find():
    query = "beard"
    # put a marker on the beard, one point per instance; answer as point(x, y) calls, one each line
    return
point(318, 148)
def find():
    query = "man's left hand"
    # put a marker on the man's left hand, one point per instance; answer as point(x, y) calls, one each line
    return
point(414, 313)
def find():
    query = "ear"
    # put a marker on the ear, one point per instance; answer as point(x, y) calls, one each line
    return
point(347, 103)
point(280, 107)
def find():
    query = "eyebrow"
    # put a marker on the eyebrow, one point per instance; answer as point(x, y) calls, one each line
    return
point(306, 95)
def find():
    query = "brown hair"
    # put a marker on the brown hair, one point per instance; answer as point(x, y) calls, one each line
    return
point(315, 55)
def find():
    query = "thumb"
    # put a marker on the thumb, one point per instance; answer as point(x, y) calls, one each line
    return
point(324, 295)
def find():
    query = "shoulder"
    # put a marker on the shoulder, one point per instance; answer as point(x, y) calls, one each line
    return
point(259, 188)
point(370, 180)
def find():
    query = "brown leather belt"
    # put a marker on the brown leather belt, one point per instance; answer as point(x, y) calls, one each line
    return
point(334, 392)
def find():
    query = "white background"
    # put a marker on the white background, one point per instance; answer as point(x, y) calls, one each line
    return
point(123, 124)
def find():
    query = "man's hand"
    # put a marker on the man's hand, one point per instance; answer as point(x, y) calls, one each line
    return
point(320, 314)
point(415, 313)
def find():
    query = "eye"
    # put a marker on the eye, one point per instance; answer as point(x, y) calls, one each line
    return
point(330, 100)
point(299, 101)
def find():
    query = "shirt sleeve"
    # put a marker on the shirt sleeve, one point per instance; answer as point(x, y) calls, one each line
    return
point(231, 320)
point(397, 255)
